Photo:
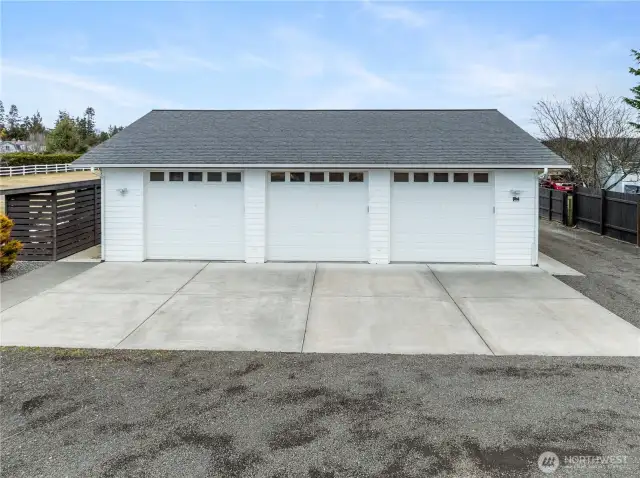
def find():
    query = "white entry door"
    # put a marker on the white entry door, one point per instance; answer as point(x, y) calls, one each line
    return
point(194, 215)
point(317, 216)
point(442, 217)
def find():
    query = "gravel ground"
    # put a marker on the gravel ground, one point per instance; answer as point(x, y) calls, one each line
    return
point(611, 268)
point(21, 267)
point(142, 413)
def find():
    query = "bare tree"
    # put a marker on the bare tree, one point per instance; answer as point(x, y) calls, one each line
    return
point(594, 135)
point(37, 142)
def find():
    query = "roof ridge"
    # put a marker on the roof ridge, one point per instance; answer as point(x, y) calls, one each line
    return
point(323, 110)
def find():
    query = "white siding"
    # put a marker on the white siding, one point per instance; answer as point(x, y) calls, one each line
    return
point(379, 209)
point(516, 221)
point(123, 215)
point(255, 215)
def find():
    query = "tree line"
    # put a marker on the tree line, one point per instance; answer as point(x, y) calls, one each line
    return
point(68, 135)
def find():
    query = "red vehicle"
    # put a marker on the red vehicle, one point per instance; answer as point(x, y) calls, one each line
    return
point(556, 182)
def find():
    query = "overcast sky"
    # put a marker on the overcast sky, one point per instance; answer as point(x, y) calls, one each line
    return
point(125, 58)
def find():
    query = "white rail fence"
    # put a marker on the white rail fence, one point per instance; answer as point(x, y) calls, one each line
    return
point(39, 169)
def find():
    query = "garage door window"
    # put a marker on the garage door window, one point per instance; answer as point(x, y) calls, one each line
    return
point(336, 177)
point(316, 177)
point(420, 177)
point(356, 177)
point(400, 177)
point(460, 177)
point(234, 177)
point(480, 177)
point(195, 176)
point(156, 176)
point(296, 177)
point(176, 176)
point(440, 177)
point(214, 176)
point(278, 177)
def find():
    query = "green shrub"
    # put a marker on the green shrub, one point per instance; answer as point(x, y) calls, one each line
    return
point(8, 248)
point(27, 159)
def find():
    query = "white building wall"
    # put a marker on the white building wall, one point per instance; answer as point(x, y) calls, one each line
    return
point(379, 216)
point(255, 194)
point(123, 215)
point(516, 221)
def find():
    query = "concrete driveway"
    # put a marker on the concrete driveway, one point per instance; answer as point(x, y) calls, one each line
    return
point(439, 309)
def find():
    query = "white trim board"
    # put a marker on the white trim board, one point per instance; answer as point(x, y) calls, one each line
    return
point(307, 166)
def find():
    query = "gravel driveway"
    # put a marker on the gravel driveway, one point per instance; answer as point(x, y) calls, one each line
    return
point(611, 268)
point(123, 413)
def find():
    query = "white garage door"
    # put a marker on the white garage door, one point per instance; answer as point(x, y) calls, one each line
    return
point(317, 216)
point(195, 215)
point(441, 217)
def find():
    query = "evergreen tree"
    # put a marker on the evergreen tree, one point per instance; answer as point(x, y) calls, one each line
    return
point(635, 101)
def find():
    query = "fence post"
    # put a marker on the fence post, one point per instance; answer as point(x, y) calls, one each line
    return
point(54, 225)
point(570, 209)
point(564, 208)
point(638, 223)
point(603, 211)
point(95, 213)
point(550, 204)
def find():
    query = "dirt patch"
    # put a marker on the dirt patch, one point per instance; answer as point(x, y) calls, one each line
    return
point(300, 395)
point(294, 434)
point(235, 390)
point(251, 367)
point(484, 401)
point(600, 367)
point(518, 372)
point(28, 406)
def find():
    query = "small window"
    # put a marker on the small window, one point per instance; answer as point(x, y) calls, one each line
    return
point(480, 177)
point(420, 177)
point(214, 176)
point(440, 177)
point(356, 177)
point(234, 177)
point(316, 177)
point(156, 176)
point(336, 177)
point(176, 176)
point(400, 177)
point(195, 176)
point(277, 177)
point(460, 177)
point(296, 177)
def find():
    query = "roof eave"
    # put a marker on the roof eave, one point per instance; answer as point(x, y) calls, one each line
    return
point(324, 166)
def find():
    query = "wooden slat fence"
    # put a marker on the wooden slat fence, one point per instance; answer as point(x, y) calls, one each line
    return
point(54, 222)
point(552, 205)
point(608, 213)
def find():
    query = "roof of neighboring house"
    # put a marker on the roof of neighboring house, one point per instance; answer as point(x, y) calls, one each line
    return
point(323, 137)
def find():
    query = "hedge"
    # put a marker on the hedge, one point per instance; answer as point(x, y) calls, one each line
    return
point(27, 159)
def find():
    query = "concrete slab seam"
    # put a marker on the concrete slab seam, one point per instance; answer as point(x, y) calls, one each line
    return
point(462, 312)
point(306, 323)
point(161, 305)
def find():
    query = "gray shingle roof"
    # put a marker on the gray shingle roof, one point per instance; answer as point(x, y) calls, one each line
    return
point(371, 137)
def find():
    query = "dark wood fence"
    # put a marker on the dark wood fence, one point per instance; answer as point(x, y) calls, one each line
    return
point(553, 205)
point(608, 213)
point(55, 221)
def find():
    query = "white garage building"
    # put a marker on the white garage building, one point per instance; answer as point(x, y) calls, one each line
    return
point(374, 186)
